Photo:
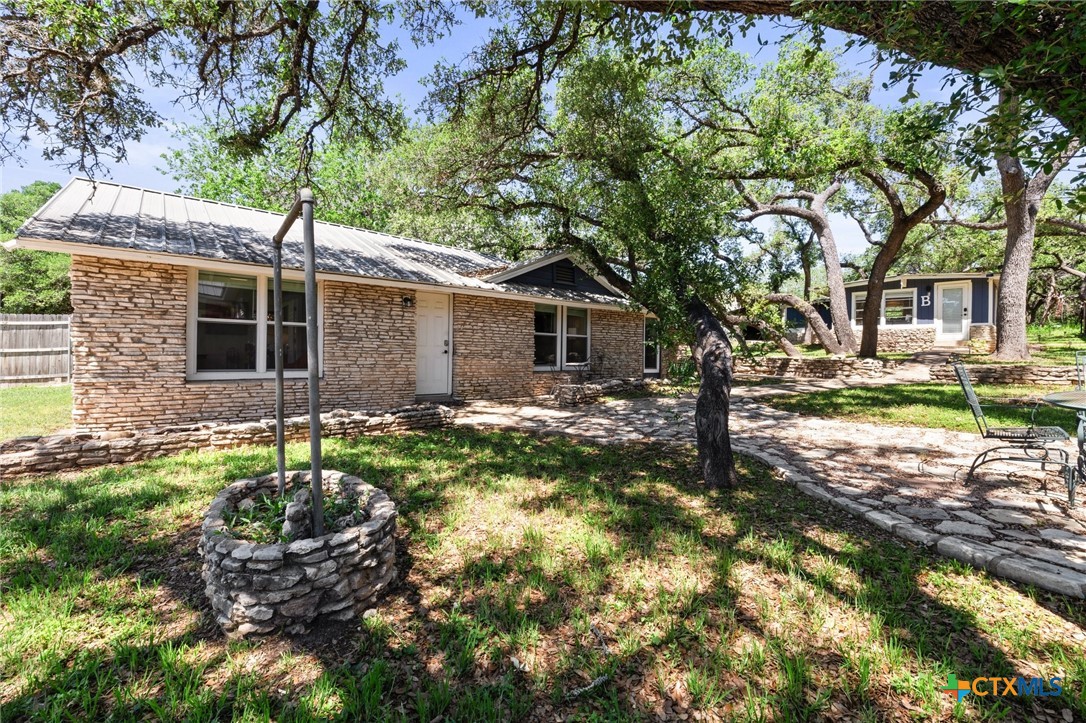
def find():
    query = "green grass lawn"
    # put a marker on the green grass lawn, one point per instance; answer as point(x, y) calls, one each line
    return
point(938, 406)
point(34, 409)
point(758, 604)
point(1050, 345)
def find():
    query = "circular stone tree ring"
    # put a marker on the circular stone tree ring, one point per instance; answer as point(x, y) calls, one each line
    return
point(256, 589)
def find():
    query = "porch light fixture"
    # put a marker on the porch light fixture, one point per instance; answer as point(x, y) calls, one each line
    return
point(407, 302)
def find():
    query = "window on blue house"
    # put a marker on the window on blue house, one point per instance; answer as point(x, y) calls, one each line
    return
point(897, 308)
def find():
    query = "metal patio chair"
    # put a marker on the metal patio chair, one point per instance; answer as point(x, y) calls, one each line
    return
point(1020, 444)
point(1080, 369)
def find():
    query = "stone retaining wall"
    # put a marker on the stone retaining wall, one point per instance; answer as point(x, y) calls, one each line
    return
point(815, 368)
point(55, 453)
point(256, 589)
point(1026, 374)
point(572, 395)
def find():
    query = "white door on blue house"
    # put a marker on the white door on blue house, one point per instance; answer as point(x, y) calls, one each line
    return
point(433, 344)
point(952, 316)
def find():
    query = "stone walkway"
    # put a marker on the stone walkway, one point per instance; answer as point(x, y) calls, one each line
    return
point(901, 479)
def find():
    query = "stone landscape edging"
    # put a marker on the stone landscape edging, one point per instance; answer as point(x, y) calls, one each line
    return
point(996, 560)
point(258, 588)
point(1028, 374)
point(80, 450)
point(800, 367)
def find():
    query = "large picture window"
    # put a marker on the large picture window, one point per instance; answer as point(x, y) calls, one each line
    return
point(562, 337)
point(898, 308)
point(226, 334)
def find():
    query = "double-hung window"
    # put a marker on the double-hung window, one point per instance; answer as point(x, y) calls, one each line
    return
point(232, 330)
point(898, 308)
point(562, 337)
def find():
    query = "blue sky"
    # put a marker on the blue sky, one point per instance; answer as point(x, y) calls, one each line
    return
point(144, 158)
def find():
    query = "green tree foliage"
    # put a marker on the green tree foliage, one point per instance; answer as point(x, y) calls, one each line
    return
point(605, 172)
point(31, 282)
point(346, 177)
point(261, 67)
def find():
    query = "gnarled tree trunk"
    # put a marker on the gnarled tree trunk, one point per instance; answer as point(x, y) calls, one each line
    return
point(901, 224)
point(814, 320)
point(817, 218)
point(1022, 198)
point(1021, 206)
point(712, 354)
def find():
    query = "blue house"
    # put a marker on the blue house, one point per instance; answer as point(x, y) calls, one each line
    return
point(922, 311)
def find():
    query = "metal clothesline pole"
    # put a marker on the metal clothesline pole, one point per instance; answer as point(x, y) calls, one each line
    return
point(303, 207)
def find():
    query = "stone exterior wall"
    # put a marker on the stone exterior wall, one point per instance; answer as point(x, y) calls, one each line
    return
point(56, 453)
point(815, 368)
point(493, 346)
point(256, 589)
point(620, 337)
point(129, 330)
point(1027, 374)
point(129, 340)
point(906, 339)
point(982, 338)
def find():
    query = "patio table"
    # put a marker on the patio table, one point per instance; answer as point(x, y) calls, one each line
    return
point(1076, 401)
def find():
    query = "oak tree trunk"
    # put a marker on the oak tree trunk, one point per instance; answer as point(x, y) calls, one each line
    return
point(835, 279)
point(712, 354)
point(814, 320)
point(808, 333)
point(1021, 211)
point(900, 226)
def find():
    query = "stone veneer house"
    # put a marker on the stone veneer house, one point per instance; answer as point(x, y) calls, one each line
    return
point(172, 320)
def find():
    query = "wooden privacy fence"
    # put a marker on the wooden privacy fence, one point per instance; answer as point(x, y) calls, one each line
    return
point(34, 349)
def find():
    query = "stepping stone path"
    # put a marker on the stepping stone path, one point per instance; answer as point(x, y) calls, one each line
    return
point(901, 479)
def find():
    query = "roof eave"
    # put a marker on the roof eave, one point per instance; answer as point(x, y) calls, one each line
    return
point(81, 249)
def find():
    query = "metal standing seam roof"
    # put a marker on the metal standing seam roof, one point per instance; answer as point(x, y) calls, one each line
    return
point(111, 215)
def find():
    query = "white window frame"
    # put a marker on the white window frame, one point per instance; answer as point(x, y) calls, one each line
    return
point(264, 329)
point(561, 332)
point(899, 293)
point(645, 342)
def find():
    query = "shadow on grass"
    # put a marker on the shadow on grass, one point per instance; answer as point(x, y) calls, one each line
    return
point(443, 640)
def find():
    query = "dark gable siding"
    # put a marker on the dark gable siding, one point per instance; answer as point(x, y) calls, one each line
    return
point(545, 276)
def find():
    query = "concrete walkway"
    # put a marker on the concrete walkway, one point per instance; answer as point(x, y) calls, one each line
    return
point(898, 478)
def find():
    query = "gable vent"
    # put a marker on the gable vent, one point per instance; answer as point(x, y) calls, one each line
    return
point(565, 274)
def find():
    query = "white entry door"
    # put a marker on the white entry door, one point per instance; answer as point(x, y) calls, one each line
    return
point(952, 311)
point(433, 344)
